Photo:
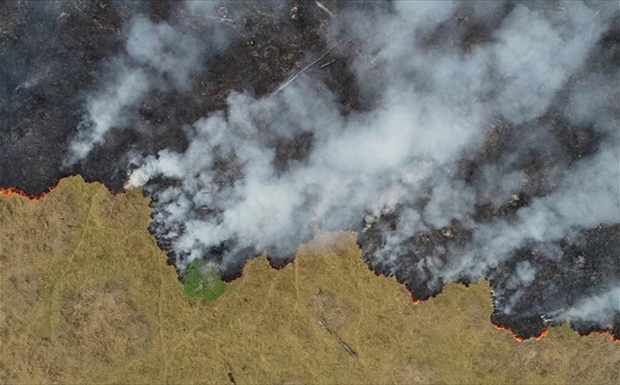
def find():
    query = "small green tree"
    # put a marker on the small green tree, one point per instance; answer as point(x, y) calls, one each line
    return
point(202, 280)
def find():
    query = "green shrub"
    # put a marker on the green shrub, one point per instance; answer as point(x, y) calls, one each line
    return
point(201, 280)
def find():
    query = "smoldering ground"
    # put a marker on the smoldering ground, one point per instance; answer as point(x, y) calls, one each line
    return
point(461, 140)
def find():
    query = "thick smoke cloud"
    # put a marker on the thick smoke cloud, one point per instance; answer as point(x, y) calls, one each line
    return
point(267, 172)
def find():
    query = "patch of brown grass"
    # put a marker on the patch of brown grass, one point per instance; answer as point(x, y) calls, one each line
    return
point(87, 297)
point(101, 323)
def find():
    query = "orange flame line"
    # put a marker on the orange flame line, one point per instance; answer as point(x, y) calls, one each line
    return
point(514, 335)
point(12, 191)
point(542, 335)
point(603, 333)
point(545, 333)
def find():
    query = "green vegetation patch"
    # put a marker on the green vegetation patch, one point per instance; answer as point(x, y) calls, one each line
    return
point(203, 280)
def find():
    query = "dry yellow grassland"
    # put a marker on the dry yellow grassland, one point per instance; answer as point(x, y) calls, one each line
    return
point(87, 297)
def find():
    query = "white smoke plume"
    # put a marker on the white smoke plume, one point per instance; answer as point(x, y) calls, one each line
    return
point(434, 105)
point(588, 197)
point(598, 308)
point(157, 57)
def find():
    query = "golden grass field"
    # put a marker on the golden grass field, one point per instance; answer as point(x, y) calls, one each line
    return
point(87, 297)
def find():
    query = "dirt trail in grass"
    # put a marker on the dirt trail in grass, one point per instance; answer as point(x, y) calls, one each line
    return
point(87, 297)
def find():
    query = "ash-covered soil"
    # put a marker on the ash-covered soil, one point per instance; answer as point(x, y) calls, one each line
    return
point(50, 53)
point(54, 56)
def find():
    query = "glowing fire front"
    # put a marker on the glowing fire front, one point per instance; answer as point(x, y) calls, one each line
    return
point(12, 191)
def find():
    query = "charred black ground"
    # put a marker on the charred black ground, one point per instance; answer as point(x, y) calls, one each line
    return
point(51, 54)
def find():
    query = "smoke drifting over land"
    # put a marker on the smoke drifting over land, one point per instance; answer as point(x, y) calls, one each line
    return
point(462, 140)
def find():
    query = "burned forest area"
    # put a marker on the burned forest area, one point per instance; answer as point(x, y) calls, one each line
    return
point(461, 141)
